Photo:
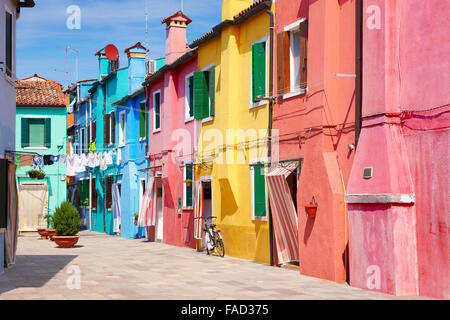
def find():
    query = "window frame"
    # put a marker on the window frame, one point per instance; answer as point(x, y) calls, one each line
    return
point(187, 98)
point(262, 102)
point(293, 28)
point(40, 147)
point(154, 129)
point(9, 70)
point(184, 203)
point(122, 128)
point(144, 101)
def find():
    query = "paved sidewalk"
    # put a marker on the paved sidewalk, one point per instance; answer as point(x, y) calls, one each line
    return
point(116, 268)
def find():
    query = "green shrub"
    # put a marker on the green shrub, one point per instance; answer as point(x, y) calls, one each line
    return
point(66, 220)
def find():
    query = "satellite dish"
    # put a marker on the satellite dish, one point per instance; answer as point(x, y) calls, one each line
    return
point(111, 52)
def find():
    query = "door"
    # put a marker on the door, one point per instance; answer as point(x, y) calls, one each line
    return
point(33, 201)
point(159, 212)
point(207, 205)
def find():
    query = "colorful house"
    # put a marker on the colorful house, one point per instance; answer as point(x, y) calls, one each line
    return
point(398, 194)
point(314, 127)
point(230, 88)
point(41, 130)
point(171, 133)
point(9, 13)
point(132, 124)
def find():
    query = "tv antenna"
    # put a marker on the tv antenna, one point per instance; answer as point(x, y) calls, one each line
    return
point(67, 63)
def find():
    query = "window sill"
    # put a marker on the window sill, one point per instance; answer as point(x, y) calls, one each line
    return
point(122, 145)
point(293, 94)
point(211, 118)
point(187, 208)
point(156, 131)
point(259, 218)
point(36, 148)
point(142, 139)
point(257, 104)
point(188, 120)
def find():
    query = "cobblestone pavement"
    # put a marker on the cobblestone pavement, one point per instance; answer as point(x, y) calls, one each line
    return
point(115, 268)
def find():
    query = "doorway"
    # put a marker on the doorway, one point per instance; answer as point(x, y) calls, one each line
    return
point(33, 206)
point(207, 205)
point(159, 211)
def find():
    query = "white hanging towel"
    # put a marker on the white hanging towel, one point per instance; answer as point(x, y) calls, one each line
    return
point(108, 158)
point(70, 166)
point(116, 207)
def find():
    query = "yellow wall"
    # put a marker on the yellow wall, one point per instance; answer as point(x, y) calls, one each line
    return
point(231, 55)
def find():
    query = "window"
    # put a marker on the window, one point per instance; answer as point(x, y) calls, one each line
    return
point(204, 93)
point(36, 132)
point(109, 138)
point(83, 192)
point(109, 183)
point(82, 140)
point(122, 128)
point(142, 120)
point(292, 58)
point(157, 111)
point(188, 180)
point(76, 143)
point(9, 44)
point(258, 71)
point(259, 194)
point(141, 191)
point(189, 97)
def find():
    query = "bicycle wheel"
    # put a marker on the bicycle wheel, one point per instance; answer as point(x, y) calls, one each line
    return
point(220, 248)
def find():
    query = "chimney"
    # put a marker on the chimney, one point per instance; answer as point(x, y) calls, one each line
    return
point(230, 8)
point(136, 66)
point(176, 36)
point(104, 65)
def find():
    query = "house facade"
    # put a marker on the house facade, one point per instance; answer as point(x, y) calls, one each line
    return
point(171, 134)
point(40, 130)
point(232, 149)
point(398, 195)
point(9, 13)
point(314, 125)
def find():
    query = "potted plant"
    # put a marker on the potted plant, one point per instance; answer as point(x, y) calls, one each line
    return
point(66, 222)
point(136, 217)
point(36, 174)
point(311, 209)
point(188, 182)
point(50, 232)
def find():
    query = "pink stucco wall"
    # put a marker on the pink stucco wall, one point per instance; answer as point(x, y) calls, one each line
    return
point(405, 138)
point(165, 150)
point(329, 101)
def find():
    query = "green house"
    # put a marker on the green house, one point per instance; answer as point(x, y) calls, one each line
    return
point(40, 130)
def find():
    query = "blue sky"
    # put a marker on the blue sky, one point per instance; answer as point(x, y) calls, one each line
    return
point(42, 30)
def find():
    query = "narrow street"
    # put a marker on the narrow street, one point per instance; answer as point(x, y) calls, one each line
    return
point(116, 268)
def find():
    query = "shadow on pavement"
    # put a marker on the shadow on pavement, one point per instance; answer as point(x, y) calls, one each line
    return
point(33, 271)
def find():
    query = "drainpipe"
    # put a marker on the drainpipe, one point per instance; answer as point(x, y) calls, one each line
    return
point(90, 172)
point(359, 58)
point(269, 139)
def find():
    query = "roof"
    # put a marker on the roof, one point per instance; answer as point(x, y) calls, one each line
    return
point(149, 79)
point(43, 93)
point(139, 44)
point(177, 16)
point(131, 96)
point(255, 8)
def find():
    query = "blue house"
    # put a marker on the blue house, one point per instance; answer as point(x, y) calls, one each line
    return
point(132, 135)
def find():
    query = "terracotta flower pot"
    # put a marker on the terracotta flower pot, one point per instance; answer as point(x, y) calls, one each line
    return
point(42, 232)
point(311, 210)
point(51, 233)
point(66, 241)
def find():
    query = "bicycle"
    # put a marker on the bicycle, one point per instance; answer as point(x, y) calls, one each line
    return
point(213, 237)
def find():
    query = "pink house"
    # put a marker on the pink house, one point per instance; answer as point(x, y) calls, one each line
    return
point(171, 137)
point(398, 192)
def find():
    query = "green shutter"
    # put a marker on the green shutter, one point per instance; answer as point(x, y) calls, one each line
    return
point(189, 175)
point(142, 120)
point(201, 95)
point(48, 132)
point(259, 190)
point(212, 91)
point(25, 133)
point(83, 191)
point(259, 70)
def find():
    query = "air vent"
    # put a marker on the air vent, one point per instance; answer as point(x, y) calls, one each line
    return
point(150, 66)
point(368, 172)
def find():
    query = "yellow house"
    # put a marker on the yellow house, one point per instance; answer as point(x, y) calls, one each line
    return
point(232, 111)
